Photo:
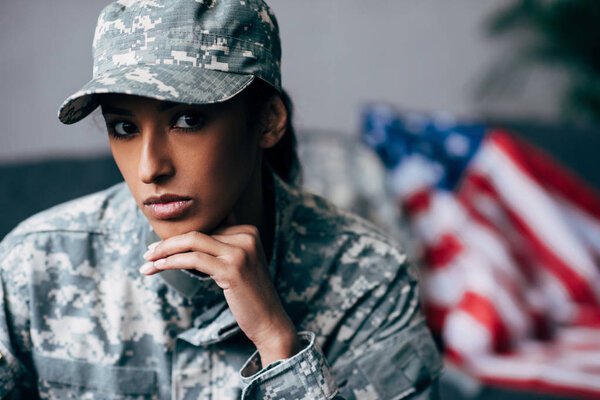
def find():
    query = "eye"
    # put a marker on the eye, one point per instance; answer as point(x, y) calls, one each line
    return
point(124, 128)
point(189, 120)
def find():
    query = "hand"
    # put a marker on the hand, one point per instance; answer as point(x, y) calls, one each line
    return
point(234, 257)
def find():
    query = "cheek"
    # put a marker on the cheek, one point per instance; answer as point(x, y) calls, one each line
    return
point(228, 149)
point(218, 168)
point(239, 161)
point(126, 158)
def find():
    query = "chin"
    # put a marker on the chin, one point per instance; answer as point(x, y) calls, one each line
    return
point(166, 229)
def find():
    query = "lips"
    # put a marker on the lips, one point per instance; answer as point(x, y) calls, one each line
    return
point(167, 206)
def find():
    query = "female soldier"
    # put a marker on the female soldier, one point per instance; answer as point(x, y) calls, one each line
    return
point(245, 279)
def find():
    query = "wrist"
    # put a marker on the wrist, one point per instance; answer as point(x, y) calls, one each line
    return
point(279, 345)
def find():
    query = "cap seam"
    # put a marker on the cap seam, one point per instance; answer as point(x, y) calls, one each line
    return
point(141, 65)
point(118, 39)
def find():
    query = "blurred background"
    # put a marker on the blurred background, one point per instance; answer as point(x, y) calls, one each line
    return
point(359, 73)
point(337, 56)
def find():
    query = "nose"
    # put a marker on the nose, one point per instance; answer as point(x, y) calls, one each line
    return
point(155, 162)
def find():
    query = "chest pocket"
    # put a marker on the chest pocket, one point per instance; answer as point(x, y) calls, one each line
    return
point(68, 379)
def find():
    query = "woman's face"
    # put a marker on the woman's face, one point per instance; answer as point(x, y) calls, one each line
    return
point(188, 167)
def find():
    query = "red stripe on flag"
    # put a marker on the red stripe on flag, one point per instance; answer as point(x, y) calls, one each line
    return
point(588, 317)
point(418, 202)
point(453, 356)
point(481, 184)
point(436, 316)
point(484, 311)
point(467, 197)
point(443, 251)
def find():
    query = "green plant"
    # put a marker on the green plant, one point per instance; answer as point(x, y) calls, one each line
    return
point(561, 33)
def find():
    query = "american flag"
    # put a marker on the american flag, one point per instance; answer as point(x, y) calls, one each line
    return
point(509, 246)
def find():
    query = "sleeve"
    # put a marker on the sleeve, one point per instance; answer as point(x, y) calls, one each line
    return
point(13, 384)
point(381, 348)
point(10, 369)
point(306, 375)
point(403, 366)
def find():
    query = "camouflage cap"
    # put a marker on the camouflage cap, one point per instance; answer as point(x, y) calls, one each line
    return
point(187, 51)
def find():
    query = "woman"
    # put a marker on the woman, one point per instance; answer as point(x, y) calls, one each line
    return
point(248, 287)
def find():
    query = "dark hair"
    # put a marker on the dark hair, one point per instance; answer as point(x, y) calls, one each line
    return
point(282, 157)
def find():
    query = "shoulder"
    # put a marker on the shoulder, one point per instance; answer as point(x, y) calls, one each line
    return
point(339, 270)
point(98, 212)
point(317, 229)
point(68, 234)
point(317, 215)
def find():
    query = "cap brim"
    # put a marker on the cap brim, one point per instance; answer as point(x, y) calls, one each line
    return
point(177, 83)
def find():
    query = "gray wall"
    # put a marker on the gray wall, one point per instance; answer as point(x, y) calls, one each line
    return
point(338, 55)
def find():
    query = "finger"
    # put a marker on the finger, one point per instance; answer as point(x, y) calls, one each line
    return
point(148, 268)
point(187, 242)
point(151, 246)
point(197, 261)
point(242, 236)
point(241, 240)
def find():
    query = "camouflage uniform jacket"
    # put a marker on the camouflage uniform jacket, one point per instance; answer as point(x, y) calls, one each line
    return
point(78, 321)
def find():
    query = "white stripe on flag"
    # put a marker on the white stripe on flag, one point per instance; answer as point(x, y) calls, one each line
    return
point(466, 335)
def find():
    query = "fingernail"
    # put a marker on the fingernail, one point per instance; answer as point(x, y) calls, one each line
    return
point(147, 267)
point(160, 263)
point(151, 248)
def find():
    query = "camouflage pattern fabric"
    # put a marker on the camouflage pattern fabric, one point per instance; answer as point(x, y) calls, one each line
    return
point(187, 51)
point(78, 321)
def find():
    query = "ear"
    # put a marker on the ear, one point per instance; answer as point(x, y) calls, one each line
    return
point(274, 122)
